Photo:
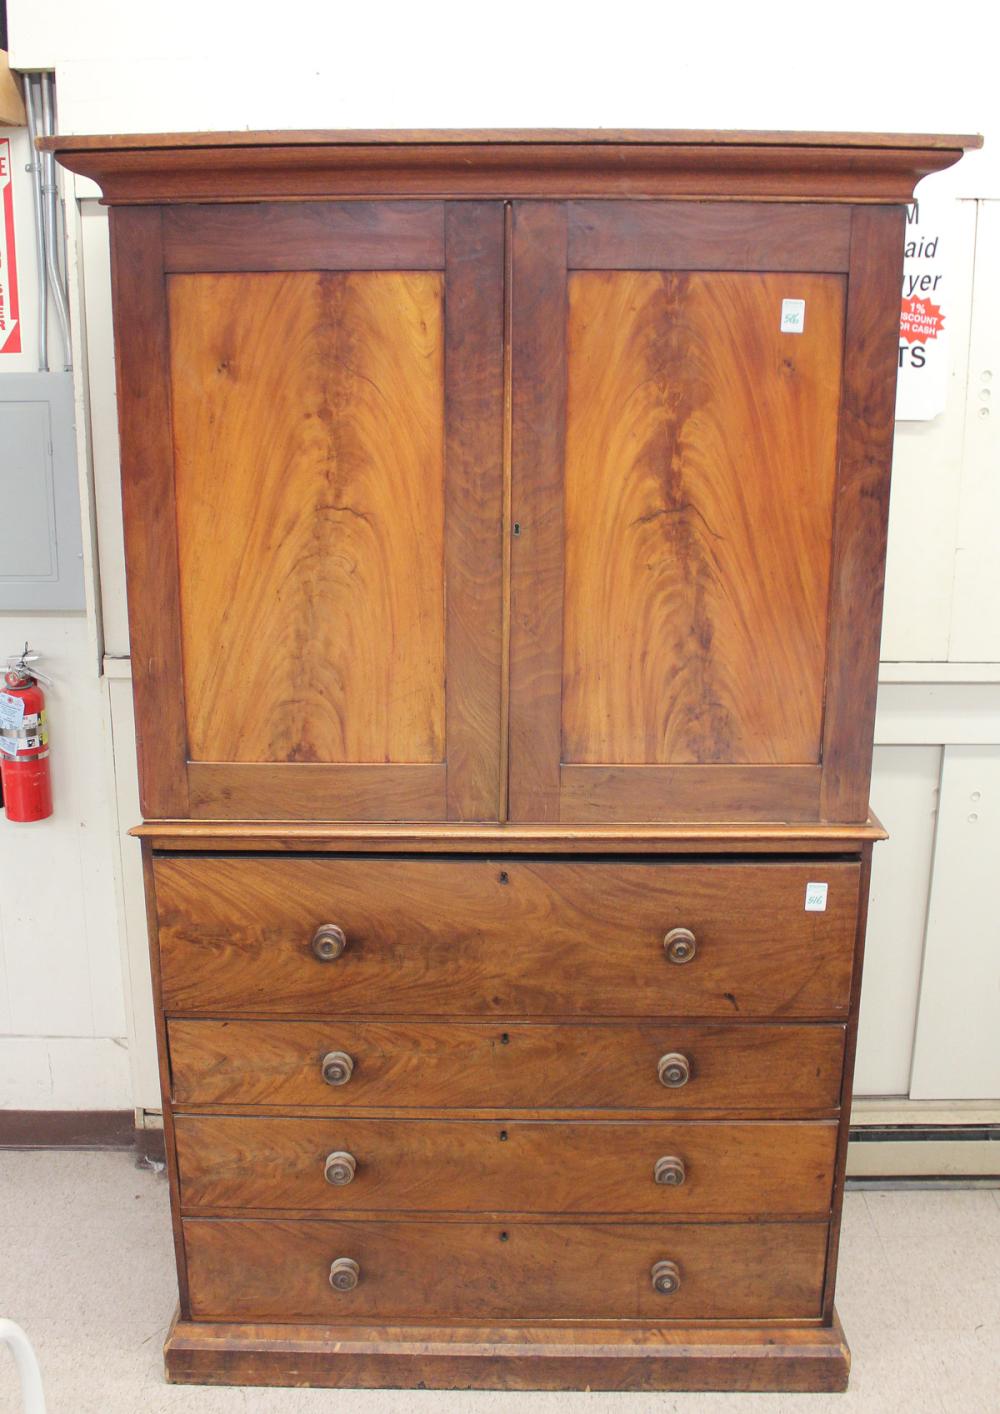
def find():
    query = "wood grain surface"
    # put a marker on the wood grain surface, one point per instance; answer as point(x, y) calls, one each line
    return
point(866, 441)
point(700, 468)
point(342, 235)
point(263, 1269)
point(548, 1355)
point(678, 235)
point(474, 410)
point(310, 513)
point(492, 937)
point(538, 414)
point(318, 837)
point(142, 348)
point(752, 1169)
point(403, 1064)
point(505, 164)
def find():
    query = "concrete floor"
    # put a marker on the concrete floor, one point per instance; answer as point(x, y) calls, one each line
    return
point(86, 1268)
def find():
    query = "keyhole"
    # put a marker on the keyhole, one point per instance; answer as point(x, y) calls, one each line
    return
point(517, 527)
point(505, 1039)
point(503, 1134)
point(504, 1236)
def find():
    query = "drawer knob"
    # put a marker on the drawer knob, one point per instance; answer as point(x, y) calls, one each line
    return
point(339, 1168)
point(344, 1274)
point(680, 945)
point(666, 1277)
point(338, 1067)
point(670, 1171)
point(328, 942)
point(674, 1070)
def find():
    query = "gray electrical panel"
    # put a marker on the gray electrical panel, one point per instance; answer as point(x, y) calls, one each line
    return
point(41, 549)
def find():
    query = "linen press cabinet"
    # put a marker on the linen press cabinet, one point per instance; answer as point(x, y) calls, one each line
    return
point(505, 523)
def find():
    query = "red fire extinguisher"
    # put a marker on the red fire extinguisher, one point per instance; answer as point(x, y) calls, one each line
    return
point(24, 742)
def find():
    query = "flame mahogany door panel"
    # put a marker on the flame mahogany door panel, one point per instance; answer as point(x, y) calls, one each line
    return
point(700, 500)
point(312, 424)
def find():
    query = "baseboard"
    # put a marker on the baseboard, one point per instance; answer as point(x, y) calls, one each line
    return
point(921, 1153)
point(80, 1129)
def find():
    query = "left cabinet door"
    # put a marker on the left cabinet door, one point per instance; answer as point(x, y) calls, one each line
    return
point(311, 414)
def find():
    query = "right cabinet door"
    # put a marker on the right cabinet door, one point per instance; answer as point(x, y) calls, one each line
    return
point(701, 436)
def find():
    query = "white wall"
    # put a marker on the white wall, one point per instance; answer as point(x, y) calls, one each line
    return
point(63, 1027)
point(186, 65)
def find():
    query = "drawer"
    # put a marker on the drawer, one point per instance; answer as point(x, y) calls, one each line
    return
point(513, 1065)
point(503, 937)
point(260, 1270)
point(417, 1165)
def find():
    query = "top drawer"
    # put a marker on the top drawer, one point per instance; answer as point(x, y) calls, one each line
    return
point(504, 937)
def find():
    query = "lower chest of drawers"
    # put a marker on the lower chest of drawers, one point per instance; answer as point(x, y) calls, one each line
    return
point(504, 1091)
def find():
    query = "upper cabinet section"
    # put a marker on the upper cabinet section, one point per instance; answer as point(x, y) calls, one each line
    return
point(474, 477)
point(311, 414)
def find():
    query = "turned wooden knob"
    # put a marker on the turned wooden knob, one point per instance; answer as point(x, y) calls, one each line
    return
point(339, 1168)
point(666, 1277)
point(669, 1170)
point(328, 942)
point(674, 1070)
point(338, 1067)
point(344, 1274)
point(680, 945)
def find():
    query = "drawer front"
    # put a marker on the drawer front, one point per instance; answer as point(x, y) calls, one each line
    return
point(385, 1165)
point(504, 937)
point(252, 1269)
point(517, 1065)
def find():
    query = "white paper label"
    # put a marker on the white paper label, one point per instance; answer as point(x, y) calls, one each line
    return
point(793, 316)
point(816, 897)
point(11, 710)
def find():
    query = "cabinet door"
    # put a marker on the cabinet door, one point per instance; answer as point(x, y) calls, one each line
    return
point(311, 402)
point(702, 423)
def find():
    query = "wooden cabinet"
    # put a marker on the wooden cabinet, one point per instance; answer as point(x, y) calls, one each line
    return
point(505, 521)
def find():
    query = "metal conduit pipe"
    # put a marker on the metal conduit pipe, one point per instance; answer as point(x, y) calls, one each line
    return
point(50, 192)
point(35, 167)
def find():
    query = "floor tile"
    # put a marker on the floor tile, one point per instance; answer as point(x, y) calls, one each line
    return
point(86, 1265)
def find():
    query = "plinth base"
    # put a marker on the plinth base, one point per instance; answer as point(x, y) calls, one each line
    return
point(565, 1357)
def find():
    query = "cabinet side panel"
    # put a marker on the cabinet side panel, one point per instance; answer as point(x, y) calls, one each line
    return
point(700, 469)
point(309, 426)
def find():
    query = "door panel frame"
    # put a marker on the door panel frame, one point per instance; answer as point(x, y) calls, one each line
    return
point(466, 241)
point(549, 238)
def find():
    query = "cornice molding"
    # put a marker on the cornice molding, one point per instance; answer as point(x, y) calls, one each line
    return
point(193, 167)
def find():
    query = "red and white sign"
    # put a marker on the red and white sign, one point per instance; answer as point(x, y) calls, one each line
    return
point(10, 324)
point(920, 320)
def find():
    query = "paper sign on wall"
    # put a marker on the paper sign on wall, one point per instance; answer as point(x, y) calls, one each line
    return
point(10, 324)
point(924, 363)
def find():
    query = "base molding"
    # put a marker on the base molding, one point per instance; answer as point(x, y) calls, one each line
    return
point(549, 1357)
